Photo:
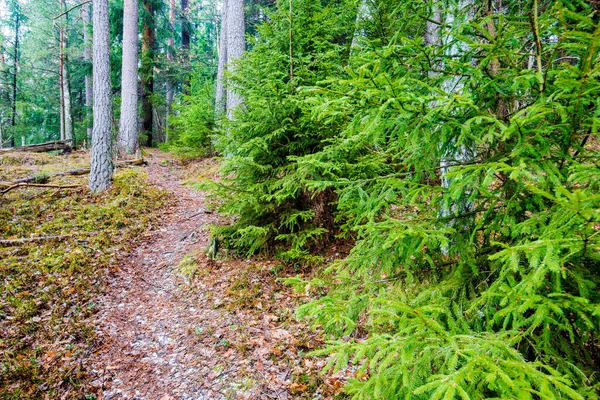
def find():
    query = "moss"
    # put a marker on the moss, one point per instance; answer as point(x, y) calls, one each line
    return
point(48, 286)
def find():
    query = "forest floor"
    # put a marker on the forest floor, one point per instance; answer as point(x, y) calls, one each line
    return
point(123, 302)
point(175, 324)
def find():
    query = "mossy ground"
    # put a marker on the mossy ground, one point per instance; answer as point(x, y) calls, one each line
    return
point(48, 287)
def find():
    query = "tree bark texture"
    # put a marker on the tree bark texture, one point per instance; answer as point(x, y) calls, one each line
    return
point(101, 164)
point(185, 42)
point(170, 83)
point(128, 131)
point(236, 45)
point(14, 80)
point(67, 115)
point(221, 98)
point(148, 42)
point(86, 16)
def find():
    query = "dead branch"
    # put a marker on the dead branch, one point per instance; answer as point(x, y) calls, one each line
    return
point(71, 172)
point(17, 242)
point(42, 185)
point(39, 148)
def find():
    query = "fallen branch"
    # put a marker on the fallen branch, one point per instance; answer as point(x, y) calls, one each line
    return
point(42, 185)
point(39, 148)
point(17, 242)
point(70, 172)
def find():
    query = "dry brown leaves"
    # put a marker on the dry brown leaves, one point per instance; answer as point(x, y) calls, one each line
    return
point(174, 324)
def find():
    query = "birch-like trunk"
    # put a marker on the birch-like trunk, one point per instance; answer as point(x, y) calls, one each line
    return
point(86, 16)
point(128, 130)
point(236, 45)
point(101, 168)
point(221, 97)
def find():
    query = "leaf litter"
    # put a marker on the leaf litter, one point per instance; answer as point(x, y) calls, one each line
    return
point(173, 323)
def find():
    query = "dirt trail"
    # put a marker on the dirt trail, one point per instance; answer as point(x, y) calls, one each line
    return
point(161, 337)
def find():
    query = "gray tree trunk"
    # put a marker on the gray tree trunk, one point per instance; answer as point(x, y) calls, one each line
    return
point(65, 80)
point(236, 44)
point(221, 98)
point(170, 85)
point(101, 164)
point(185, 43)
point(86, 16)
point(128, 131)
point(13, 107)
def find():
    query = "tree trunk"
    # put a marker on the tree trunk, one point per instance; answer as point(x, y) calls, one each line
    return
point(128, 132)
point(236, 44)
point(148, 41)
point(86, 16)
point(221, 98)
point(185, 43)
point(101, 164)
point(14, 80)
point(61, 85)
point(170, 83)
point(64, 74)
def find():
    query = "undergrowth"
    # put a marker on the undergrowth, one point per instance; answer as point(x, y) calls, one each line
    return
point(48, 287)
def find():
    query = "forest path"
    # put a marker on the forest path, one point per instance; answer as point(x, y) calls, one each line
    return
point(162, 337)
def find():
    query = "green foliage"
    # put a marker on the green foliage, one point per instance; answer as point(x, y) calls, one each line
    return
point(193, 125)
point(499, 300)
point(261, 185)
point(465, 169)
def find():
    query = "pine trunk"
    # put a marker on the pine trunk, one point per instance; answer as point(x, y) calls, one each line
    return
point(14, 80)
point(170, 84)
point(128, 131)
point(64, 74)
point(148, 41)
point(86, 16)
point(101, 165)
point(235, 48)
point(221, 98)
point(185, 42)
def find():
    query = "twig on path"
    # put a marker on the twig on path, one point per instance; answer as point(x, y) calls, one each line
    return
point(196, 214)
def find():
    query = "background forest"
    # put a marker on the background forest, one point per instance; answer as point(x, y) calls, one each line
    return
point(452, 145)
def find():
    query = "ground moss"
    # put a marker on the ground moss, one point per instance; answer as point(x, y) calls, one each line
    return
point(48, 287)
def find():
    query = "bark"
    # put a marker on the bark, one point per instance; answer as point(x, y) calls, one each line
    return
point(185, 42)
point(170, 83)
point(64, 73)
point(87, 56)
point(148, 42)
point(39, 148)
point(221, 97)
point(236, 44)
point(101, 165)
point(452, 152)
point(14, 81)
point(128, 132)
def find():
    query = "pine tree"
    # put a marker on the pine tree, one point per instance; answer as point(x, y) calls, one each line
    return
point(101, 168)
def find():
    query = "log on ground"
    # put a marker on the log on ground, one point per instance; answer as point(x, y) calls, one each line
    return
point(39, 148)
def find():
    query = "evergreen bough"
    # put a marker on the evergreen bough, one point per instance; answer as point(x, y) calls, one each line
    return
point(471, 277)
